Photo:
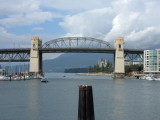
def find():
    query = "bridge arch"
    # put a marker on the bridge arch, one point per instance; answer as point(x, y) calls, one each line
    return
point(76, 42)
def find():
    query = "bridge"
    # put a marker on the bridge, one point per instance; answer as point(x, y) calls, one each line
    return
point(71, 45)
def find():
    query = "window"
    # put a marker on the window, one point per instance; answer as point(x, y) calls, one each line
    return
point(33, 45)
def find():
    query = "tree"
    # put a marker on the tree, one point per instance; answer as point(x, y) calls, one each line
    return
point(131, 68)
point(105, 69)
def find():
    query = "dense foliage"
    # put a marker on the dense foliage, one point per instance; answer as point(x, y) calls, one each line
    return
point(133, 68)
point(110, 68)
point(96, 68)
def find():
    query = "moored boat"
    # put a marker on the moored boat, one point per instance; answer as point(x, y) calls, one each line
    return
point(149, 78)
point(2, 77)
point(157, 77)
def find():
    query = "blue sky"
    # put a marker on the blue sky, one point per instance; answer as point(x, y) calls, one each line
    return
point(135, 20)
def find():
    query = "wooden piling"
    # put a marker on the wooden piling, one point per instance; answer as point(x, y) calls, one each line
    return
point(86, 106)
point(10, 77)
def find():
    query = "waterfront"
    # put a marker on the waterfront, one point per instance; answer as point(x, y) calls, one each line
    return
point(123, 99)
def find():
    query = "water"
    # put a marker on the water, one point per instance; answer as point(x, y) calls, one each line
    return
point(123, 99)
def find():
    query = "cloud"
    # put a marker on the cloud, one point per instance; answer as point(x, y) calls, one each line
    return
point(136, 21)
point(22, 12)
point(10, 7)
point(9, 40)
point(147, 38)
point(94, 22)
point(28, 19)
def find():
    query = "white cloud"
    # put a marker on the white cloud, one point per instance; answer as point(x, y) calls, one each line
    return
point(122, 24)
point(94, 22)
point(137, 21)
point(10, 7)
point(28, 19)
point(22, 12)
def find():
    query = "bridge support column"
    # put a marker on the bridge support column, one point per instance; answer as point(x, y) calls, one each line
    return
point(35, 56)
point(119, 58)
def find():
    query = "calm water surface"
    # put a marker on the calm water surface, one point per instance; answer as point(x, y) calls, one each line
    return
point(121, 99)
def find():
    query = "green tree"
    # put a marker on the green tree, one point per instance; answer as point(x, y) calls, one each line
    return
point(106, 69)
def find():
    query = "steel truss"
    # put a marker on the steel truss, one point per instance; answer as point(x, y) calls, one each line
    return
point(14, 57)
point(76, 42)
point(133, 58)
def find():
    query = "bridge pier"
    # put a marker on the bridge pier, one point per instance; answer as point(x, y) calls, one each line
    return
point(35, 56)
point(119, 58)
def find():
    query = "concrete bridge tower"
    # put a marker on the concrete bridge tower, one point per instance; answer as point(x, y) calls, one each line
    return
point(35, 56)
point(119, 58)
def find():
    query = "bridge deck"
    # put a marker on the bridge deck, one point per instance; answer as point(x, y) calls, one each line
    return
point(77, 50)
point(15, 50)
point(67, 50)
point(23, 54)
point(131, 51)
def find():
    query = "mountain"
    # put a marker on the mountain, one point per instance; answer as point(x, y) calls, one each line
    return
point(74, 60)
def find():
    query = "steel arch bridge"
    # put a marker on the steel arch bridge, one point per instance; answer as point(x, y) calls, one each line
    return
point(67, 45)
point(76, 42)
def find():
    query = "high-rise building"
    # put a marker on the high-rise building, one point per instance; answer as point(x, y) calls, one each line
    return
point(152, 61)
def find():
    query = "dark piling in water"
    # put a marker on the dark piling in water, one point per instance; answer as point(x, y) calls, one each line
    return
point(24, 78)
point(86, 107)
point(10, 77)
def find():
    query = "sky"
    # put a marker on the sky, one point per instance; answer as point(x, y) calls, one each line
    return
point(138, 21)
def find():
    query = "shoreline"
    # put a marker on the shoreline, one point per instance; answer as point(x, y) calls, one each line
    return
point(101, 74)
point(96, 74)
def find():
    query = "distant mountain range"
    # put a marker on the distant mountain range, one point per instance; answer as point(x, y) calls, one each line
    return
point(74, 60)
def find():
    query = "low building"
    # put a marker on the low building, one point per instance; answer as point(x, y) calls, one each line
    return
point(152, 61)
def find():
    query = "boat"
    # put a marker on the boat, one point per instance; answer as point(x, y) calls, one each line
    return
point(2, 77)
point(157, 77)
point(44, 80)
point(152, 77)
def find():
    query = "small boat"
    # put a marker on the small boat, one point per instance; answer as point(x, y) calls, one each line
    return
point(2, 77)
point(157, 77)
point(149, 77)
point(44, 80)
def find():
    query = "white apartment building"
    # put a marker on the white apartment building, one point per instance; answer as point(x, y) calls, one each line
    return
point(102, 62)
point(152, 61)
